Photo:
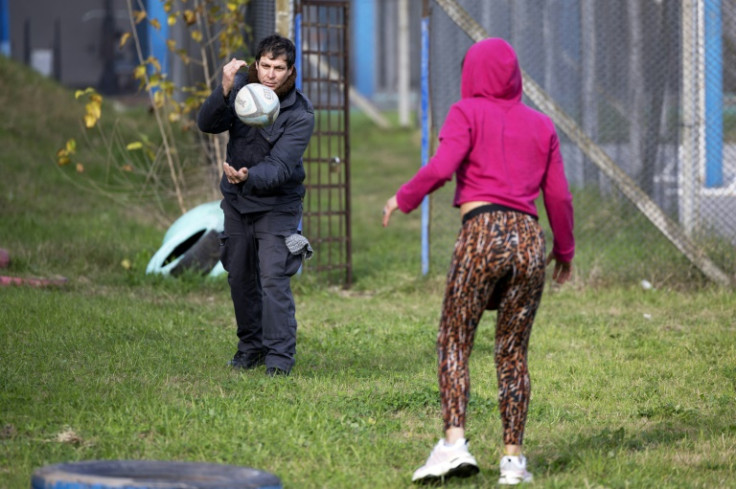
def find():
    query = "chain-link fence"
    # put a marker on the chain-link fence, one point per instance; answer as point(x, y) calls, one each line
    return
point(642, 94)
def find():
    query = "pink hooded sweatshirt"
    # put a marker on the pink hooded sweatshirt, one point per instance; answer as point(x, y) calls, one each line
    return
point(501, 150)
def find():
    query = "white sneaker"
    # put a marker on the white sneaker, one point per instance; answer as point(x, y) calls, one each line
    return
point(447, 461)
point(513, 470)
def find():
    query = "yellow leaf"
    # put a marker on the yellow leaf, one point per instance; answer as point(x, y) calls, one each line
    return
point(71, 146)
point(171, 44)
point(93, 110)
point(158, 99)
point(174, 117)
point(96, 98)
point(155, 63)
point(63, 160)
point(189, 17)
point(134, 145)
point(123, 39)
point(138, 16)
point(139, 73)
point(171, 20)
point(89, 121)
point(80, 168)
point(197, 35)
point(125, 264)
point(184, 57)
point(167, 6)
point(156, 24)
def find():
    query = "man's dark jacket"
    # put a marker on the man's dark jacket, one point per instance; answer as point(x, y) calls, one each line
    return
point(272, 154)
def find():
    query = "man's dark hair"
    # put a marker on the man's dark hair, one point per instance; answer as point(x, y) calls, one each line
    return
point(274, 46)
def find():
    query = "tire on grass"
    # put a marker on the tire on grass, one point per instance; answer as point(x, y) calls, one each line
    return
point(150, 474)
point(192, 241)
point(201, 257)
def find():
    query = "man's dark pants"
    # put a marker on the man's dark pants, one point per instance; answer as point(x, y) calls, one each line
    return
point(259, 267)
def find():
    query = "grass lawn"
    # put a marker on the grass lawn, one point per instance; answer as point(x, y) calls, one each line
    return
point(632, 388)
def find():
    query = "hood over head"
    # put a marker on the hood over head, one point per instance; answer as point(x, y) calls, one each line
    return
point(491, 70)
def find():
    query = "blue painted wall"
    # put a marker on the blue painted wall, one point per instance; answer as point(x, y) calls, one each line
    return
point(4, 28)
point(157, 38)
point(364, 46)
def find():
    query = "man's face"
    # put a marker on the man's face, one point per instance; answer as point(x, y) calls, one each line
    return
point(273, 72)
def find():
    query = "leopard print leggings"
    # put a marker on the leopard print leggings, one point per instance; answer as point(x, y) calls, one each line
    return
point(499, 257)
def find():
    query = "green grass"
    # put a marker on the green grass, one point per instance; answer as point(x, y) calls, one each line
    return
point(631, 388)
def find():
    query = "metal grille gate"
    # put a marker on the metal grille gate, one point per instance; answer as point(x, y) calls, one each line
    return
point(322, 32)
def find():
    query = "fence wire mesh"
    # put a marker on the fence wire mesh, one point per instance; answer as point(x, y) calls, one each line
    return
point(642, 94)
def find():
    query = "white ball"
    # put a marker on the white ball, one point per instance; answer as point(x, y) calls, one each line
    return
point(257, 105)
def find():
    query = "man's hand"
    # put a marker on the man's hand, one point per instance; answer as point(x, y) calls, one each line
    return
point(388, 209)
point(235, 176)
point(228, 74)
point(562, 271)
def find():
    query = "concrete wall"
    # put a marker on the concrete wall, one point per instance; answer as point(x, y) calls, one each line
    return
point(70, 35)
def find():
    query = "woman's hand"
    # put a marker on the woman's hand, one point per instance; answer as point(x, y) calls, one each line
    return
point(388, 209)
point(562, 271)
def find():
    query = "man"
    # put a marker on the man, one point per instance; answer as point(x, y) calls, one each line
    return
point(262, 189)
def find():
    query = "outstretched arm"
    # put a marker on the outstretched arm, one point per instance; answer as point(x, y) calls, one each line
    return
point(388, 209)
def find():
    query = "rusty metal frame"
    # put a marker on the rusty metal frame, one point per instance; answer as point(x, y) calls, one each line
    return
point(324, 49)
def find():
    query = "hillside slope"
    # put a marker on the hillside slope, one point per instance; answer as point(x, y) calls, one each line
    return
point(51, 221)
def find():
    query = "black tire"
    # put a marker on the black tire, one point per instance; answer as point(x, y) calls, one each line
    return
point(202, 256)
point(148, 474)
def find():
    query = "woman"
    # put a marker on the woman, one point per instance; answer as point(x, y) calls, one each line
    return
point(503, 154)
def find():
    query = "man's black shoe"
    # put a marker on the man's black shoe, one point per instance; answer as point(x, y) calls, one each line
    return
point(275, 371)
point(244, 361)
